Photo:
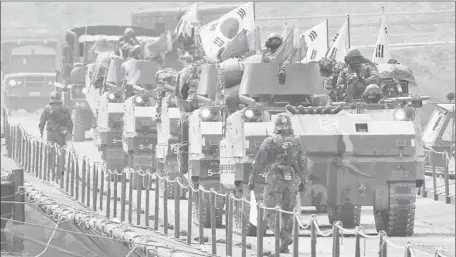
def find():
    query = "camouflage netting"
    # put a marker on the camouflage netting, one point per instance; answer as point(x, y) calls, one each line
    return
point(397, 71)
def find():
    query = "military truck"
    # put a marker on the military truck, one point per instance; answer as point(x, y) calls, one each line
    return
point(78, 48)
point(28, 73)
point(439, 136)
point(247, 128)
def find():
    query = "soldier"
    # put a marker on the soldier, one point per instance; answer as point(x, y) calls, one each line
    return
point(273, 42)
point(133, 54)
point(329, 83)
point(57, 120)
point(359, 73)
point(129, 38)
point(284, 160)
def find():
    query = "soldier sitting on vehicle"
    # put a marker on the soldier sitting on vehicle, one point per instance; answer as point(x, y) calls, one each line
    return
point(133, 54)
point(57, 120)
point(359, 73)
point(273, 42)
point(329, 83)
point(372, 94)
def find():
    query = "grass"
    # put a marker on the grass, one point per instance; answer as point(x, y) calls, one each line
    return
point(433, 65)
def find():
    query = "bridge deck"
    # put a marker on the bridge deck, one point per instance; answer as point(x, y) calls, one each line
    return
point(434, 223)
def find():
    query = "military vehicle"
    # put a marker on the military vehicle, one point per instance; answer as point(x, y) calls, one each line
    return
point(28, 73)
point(439, 135)
point(347, 172)
point(247, 128)
point(172, 158)
point(78, 48)
point(162, 19)
point(139, 134)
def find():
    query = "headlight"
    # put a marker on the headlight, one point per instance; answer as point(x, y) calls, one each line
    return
point(112, 96)
point(50, 83)
point(84, 91)
point(139, 99)
point(252, 114)
point(209, 113)
point(404, 114)
point(12, 82)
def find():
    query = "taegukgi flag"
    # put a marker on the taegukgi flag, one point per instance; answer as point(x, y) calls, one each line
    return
point(317, 42)
point(216, 34)
point(382, 52)
point(338, 49)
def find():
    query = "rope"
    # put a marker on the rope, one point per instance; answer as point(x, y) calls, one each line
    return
point(50, 239)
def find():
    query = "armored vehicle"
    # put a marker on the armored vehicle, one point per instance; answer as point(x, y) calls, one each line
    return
point(139, 134)
point(79, 47)
point(246, 129)
point(28, 73)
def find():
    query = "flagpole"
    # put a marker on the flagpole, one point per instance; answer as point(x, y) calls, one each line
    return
point(254, 11)
point(348, 30)
point(327, 34)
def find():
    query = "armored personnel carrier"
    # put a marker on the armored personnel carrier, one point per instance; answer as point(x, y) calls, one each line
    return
point(28, 73)
point(80, 47)
point(139, 134)
point(366, 155)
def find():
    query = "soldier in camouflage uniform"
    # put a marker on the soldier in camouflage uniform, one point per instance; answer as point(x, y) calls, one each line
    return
point(273, 42)
point(58, 120)
point(359, 73)
point(283, 157)
point(329, 83)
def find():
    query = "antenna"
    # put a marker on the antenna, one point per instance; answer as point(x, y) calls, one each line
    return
point(348, 30)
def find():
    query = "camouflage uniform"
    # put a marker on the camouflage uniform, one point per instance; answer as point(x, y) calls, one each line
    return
point(281, 155)
point(272, 43)
point(359, 73)
point(58, 120)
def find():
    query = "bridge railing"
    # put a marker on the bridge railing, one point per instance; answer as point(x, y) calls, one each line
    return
point(446, 189)
point(89, 183)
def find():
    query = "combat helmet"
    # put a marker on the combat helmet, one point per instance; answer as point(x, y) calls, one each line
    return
point(273, 45)
point(326, 65)
point(353, 56)
point(372, 94)
point(129, 32)
point(55, 96)
point(282, 123)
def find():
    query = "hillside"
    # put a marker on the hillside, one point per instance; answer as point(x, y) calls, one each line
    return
point(433, 65)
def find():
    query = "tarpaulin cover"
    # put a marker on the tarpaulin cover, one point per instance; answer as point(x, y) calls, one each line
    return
point(397, 71)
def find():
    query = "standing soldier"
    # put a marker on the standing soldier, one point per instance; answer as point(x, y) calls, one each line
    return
point(283, 158)
point(57, 120)
point(359, 74)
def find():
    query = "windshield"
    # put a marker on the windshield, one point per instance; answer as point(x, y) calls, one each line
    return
point(95, 47)
point(448, 134)
point(31, 63)
point(433, 126)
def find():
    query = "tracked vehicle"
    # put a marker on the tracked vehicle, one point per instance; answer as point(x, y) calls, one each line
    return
point(247, 128)
point(28, 73)
point(139, 134)
point(366, 155)
point(83, 44)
